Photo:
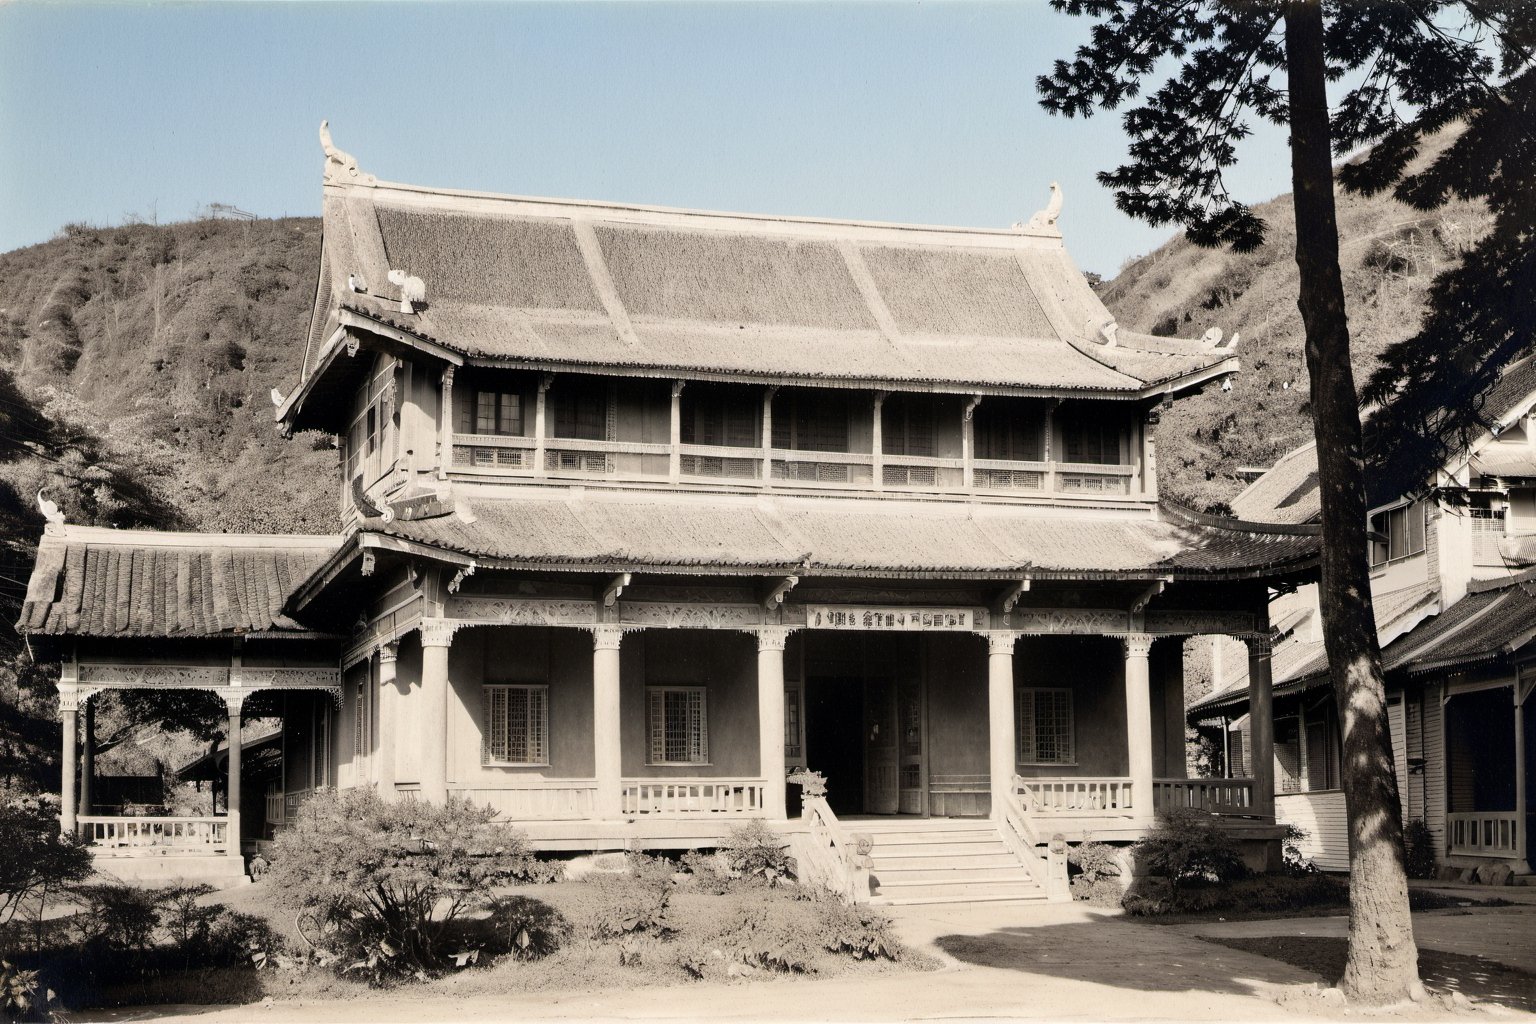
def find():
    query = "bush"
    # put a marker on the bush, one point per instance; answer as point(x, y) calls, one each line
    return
point(756, 852)
point(36, 861)
point(857, 930)
point(709, 872)
point(118, 918)
point(1188, 846)
point(770, 937)
point(1296, 863)
point(1095, 870)
point(1419, 844)
point(22, 995)
point(1257, 894)
point(526, 928)
point(628, 905)
point(381, 882)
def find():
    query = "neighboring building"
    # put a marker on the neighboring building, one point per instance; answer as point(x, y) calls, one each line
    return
point(642, 508)
point(1455, 611)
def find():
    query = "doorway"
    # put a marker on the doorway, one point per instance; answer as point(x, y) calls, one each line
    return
point(834, 718)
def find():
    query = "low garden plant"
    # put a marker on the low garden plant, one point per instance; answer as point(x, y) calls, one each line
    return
point(1095, 874)
point(1419, 844)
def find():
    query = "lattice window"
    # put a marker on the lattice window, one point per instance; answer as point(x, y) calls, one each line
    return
point(1043, 725)
point(678, 725)
point(360, 733)
point(906, 425)
point(580, 414)
point(515, 727)
point(1090, 439)
point(792, 722)
point(1004, 431)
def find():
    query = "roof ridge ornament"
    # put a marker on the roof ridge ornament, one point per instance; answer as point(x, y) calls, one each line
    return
point(1211, 341)
point(1045, 220)
point(340, 166)
point(50, 511)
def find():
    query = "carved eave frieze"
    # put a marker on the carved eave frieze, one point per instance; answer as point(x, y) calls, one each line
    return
point(94, 678)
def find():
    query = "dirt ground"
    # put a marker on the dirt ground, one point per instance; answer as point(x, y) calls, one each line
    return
point(1064, 962)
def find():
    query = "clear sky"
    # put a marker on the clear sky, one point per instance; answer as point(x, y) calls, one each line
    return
point(906, 112)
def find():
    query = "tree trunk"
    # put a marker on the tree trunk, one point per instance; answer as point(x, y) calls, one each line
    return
point(1383, 960)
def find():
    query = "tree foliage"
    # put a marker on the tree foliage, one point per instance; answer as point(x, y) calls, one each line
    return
point(36, 861)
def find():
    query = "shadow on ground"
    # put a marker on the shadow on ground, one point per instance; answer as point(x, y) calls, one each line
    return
point(1123, 955)
point(1479, 979)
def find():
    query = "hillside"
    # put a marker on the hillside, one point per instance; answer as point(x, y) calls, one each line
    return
point(1389, 255)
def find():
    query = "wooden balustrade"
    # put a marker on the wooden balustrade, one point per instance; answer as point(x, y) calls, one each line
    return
point(1017, 828)
point(1074, 797)
point(833, 862)
point(537, 799)
point(1219, 796)
point(681, 798)
point(1483, 833)
point(275, 808)
point(193, 835)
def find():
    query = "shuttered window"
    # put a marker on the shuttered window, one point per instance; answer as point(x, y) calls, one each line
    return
point(1004, 431)
point(515, 728)
point(580, 414)
point(491, 412)
point(677, 723)
point(1043, 725)
point(360, 739)
point(1091, 439)
point(906, 425)
point(718, 415)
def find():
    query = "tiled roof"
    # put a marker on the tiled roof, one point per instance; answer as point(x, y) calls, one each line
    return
point(97, 582)
point(1492, 620)
point(1299, 661)
point(1287, 493)
point(834, 536)
point(1516, 385)
point(1506, 461)
point(605, 285)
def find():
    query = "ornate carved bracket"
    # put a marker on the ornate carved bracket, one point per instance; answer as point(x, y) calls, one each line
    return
point(1138, 645)
point(1001, 641)
point(438, 632)
point(773, 638)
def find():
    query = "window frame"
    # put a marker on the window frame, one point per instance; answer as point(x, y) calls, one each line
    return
point(1019, 695)
point(1396, 524)
point(538, 724)
point(1110, 434)
point(655, 741)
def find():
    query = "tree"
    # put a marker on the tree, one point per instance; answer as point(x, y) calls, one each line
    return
point(35, 860)
point(1414, 66)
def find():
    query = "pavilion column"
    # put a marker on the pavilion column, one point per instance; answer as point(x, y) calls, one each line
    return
point(877, 441)
point(968, 443)
point(608, 761)
point(389, 711)
point(1522, 838)
point(770, 718)
point(448, 421)
point(87, 754)
point(1261, 725)
point(541, 421)
point(675, 434)
point(1001, 743)
point(69, 795)
point(234, 703)
point(767, 438)
point(431, 717)
point(1138, 723)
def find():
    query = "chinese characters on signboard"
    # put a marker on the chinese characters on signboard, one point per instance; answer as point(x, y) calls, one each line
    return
point(852, 617)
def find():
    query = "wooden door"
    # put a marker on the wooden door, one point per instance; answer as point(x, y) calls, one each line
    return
point(882, 749)
point(911, 726)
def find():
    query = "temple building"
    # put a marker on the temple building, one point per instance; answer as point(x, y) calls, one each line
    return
point(641, 510)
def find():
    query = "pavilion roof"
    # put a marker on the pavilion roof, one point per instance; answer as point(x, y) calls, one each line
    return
point(829, 536)
point(571, 284)
point(147, 583)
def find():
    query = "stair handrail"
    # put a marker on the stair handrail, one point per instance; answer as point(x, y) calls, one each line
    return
point(845, 870)
point(1021, 837)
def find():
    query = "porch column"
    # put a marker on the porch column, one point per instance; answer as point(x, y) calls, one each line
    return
point(87, 754)
point(968, 443)
point(608, 761)
point(1261, 726)
point(1522, 838)
point(1138, 724)
point(389, 709)
point(675, 434)
point(69, 795)
point(770, 718)
point(432, 715)
point(767, 437)
point(447, 424)
point(1001, 742)
point(877, 441)
point(541, 421)
point(234, 703)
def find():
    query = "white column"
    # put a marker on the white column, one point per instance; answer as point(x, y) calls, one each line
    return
point(234, 704)
point(446, 425)
point(540, 421)
point(1001, 743)
point(877, 442)
point(1138, 723)
point(431, 717)
point(1261, 726)
point(389, 711)
point(767, 438)
point(607, 754)
point(968, 443)
point(770, 717)
point(675, 435)
point(69, 795)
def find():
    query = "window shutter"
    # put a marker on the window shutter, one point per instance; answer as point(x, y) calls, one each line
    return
point(656, 724)
point(698, 727)
point(538, 721)
point(1024, 725)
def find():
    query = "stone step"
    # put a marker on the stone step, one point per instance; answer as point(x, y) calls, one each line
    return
point(999, 858)
point(910, 901)
point(911, 846)
point(959, 874)
point(905, 823)
point(975, 889)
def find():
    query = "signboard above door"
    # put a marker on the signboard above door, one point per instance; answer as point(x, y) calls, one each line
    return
point(842, 616)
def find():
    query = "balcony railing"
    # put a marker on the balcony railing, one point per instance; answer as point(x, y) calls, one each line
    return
point(1483, 833)
point(538, 799)
point(681, 798)
point(1219, 796)
point(779, 468)
point(1074, 796)
point(158, 835)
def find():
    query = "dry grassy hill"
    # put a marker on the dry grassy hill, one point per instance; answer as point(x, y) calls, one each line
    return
point(1389, 254)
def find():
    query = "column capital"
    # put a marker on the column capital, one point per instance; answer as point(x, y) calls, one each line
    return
point(448, 377)
point(389, 652)
point(1138, 645)
point(74, 697)
point(1000, 641)
point(234, 699)
point(608, 636)
point(773, 638)
point(438, 632)
point(1260, 645)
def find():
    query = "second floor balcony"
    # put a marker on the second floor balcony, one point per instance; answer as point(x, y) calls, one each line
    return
point(624, 431)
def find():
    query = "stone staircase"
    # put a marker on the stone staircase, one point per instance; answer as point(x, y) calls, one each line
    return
point(943, 860)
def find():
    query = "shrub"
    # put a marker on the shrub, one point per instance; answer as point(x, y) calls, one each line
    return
point(1419, 844)
point(1189, 846)
point(756, 852)
point(36, 861)
point(770, 937)
point(22, 995)
point(382, 881)
point(709, 873)
point(118, 918)
point(1296, 863)
point(1257, 894)
point(1095, 873)
point(857, 930)
point(627, 905)
point(526, 928)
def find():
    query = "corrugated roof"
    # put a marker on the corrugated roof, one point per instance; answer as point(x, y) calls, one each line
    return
point(97, 582)
point(606, 285)
point(1287, 493)
point(1300, 662)
point(844, 536)
point(1506, 460)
